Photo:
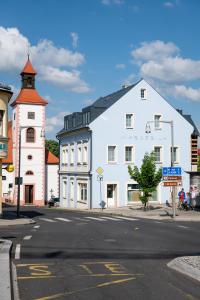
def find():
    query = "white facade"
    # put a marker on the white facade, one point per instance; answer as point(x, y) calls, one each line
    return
point(116, 139)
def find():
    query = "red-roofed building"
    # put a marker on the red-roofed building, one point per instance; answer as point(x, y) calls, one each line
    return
point(38, 167)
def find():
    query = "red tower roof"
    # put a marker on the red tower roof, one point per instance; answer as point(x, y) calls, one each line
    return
point(28, 68)
point(29, 96)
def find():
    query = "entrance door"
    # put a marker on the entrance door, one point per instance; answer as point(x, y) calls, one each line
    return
point(28, 194)
point(111, 195)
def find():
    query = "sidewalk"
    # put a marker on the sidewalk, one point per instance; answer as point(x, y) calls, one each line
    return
point(159, 212)
point(10, 218)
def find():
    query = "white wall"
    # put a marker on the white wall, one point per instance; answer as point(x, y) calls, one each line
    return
point(109, 129)
point(52, 181)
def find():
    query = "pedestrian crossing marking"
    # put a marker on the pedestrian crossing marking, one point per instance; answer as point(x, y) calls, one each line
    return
point(63, 219)
point(110, 218)
point(48, 220)
point(93, 218)
point(126, 218)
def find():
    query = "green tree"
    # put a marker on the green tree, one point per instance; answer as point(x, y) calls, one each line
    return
point(198, 164)
point(52, 146)
point(147, 177)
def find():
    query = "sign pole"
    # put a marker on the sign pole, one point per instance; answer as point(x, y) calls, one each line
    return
point(18, 185)
point(172, 164)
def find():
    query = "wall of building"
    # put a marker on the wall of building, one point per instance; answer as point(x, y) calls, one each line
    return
point(52, 182)
point(110, 129)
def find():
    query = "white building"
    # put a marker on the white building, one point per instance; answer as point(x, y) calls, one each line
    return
point(110, 134)
point(26, 132)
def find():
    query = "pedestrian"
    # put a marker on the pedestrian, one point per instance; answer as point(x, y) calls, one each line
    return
point(181, 197)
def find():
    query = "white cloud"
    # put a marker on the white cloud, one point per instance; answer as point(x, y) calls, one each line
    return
point(68, 80)
point(129, 80)
point(56, 122)
point(155, 50)
point(187, 93)
point(74, 37)
point(109, 2)
point(169, 4)
point(162, 61)
point(120, 66)
point(49, 60)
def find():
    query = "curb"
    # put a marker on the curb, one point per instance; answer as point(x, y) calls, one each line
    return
point(16, 222)
point(5, 282)
point(185, 268)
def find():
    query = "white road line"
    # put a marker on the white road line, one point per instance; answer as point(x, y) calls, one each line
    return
point(27, 237)
point(110, 218)
point(97, 219)
point(47, 220)
point(63, 219)
point(181, 226)
point(125, 218)
point(17, 251)
point(36, 226)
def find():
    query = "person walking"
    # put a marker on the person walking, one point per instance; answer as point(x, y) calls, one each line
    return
point(181, 197)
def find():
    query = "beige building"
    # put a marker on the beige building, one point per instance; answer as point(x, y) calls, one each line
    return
point(5, 95)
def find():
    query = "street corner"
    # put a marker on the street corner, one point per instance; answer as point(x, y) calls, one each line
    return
point(187, 265)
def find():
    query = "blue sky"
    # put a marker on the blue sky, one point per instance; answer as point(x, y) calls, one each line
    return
point(84, 49)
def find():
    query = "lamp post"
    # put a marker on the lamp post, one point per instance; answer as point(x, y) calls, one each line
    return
point(19, 182)
point(148, 130)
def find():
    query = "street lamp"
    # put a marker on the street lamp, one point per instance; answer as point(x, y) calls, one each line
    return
point(148, 130)
point(42, 135)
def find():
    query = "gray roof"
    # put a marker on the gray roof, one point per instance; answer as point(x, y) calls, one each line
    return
point(82, 119)
point(189, 119)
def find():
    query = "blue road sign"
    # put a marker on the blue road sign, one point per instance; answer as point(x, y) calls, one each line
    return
point(170, 171)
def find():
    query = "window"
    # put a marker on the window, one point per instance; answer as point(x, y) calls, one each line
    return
point(29, 157)
point(72, 156)
point(79, 154)
point(176, 154)
point(129, 154)
point(64, 189)
point(31, 115)
point(129, 120)
point(29, 172)
point(143, 93)
point(29, 82)
point(63, 156)
point(157, 122)
point(82, 192)
point(111, 153)
point(71, 190)
point(85, 155)
point(74, 121)
point(1, 121)
point(133, 194)
point(157, 152)
point(30, 135)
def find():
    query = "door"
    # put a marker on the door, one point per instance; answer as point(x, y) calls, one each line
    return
point(28, 194)
point(111, 195)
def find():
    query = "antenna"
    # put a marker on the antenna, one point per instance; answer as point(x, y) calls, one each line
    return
point(28, 51)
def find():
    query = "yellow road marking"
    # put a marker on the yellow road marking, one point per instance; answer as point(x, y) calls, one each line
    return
point(102, 275)
point(86, 269)
point(115, 268)
point(86, 289)
point(35, 277)
point(40, 270)
point(26, 265)
point(98, 262)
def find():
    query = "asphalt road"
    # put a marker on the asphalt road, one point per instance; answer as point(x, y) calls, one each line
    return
point(68, 255)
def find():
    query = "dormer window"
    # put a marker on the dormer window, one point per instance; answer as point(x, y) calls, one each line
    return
point(143, 94)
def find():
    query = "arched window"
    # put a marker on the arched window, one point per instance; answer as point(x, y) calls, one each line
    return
point(30, 135)
point(29, 172)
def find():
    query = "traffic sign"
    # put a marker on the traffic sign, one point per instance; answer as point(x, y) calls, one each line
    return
point(177, 178)
point(171, 171)
point(99, 170)
point(172, 183)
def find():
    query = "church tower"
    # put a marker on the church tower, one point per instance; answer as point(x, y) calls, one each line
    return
point(28, 129)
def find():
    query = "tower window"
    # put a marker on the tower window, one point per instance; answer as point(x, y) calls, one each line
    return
point(29, 82)
point(31, 115)
point(1, 121)
point(30, 135)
